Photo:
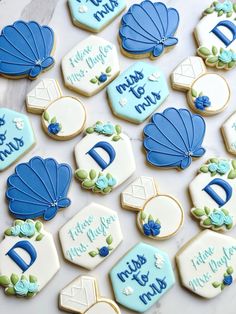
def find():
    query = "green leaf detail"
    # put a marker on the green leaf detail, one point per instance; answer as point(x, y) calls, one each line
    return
point(109, 240)
point(46, 116)
point(221, 64)
point(204, 51)
point(234, 164)
point(39, 237)
point(116, 138)
point(222, 286)
point(150, 218)
point(92, 174)
point(194, 93)
point(32, 279)
point(209, 10)
point(220, 13)
point(30, 294)
point(207, 222)
point(216, 284)
point(214, 50)
point(228, 227)
point(93, 253)
point(107, 190)
point(234, 7)
point(109, 176)
point(118, 129)
point(204, 169)
point(225, 211)
point(90, 130)
point(231, 64)
point(212, 60)
point(93, 81)
point(8, 232)
point(230, 270)
point(88, 184)
point(38, 226)
point(110, 248)
point(14, 279)
point(18, 222)
point(232, 174)
point(4, 281)
point(108, 70)
point(54, 120)
point(143, 215)
point(199, 212)
point(207, 210)
point(10, 291)
point(229, 14)
point(81, 174)
point(214, 160)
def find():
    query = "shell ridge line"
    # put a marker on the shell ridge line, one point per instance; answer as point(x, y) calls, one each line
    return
point(10, 53)
point(27, 25)
point(51, 181)
point(46, 53)
point(153, 20)
point(164, 30)
point(189, 144)
point(20, 200)
point(69, 179)
point(199, 143)
point(168, 154)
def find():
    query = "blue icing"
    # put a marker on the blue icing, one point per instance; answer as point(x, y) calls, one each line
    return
point(173, 138)
point(137, 92)
point(95, 14)
point(25, 49)
point(39, 188)
point(147, 274)
point(16, 136)
point(149, 28)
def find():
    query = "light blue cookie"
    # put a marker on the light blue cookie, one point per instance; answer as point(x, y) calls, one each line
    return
point(137, 92)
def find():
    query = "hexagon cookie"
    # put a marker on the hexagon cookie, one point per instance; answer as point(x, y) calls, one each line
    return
point(94, 15)
point(142, 277)
point(229, 133)
point(207, 263)
point(82, 296)
point(91, 236)
point(102, 163)
point(216, 35)
point(137, 92)
point(16, 137)
point(23, 253)
point(90, 66)
point(160, 216)
point(213, 193)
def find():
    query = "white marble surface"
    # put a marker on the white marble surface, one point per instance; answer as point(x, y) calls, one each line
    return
point(12, 95)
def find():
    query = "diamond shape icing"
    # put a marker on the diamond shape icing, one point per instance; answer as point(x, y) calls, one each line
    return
point(91, 236)
point(207, 263)
point(229, 133)
point(16, 137)
point(142, 277)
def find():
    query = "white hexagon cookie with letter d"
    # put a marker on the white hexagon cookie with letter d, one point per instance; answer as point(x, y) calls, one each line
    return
point(213, 193)
point(91, 236)
point(104, 158)
point(207, 263)
point(23, 254)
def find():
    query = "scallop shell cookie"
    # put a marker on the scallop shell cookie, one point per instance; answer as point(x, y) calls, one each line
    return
point(207, 93)
point(160, 216)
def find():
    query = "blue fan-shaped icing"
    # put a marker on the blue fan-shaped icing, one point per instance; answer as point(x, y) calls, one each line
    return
point(174, 137)
point(25, 49)
point(148, 28)
point(39, 188)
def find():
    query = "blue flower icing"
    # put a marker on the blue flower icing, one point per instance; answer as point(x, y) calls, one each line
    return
point(149, 28)
point(25, 49)
point(173, 138)
point(38, 189)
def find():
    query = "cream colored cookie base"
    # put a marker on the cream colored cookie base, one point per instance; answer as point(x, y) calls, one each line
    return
point(228, 134)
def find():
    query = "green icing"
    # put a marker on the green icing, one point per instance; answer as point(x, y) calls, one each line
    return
point(221, 167)
point(26, 229)
point(106, 129)
point(102, 77)
point(105, 250)
point(227, 279)
point(227, 8)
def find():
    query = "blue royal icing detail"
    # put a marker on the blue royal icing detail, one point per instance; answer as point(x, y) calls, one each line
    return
point(95, 14)
point(214, 195)
point(16, 136)
point(108, 148)
point(25, 49)
point(231, 27)
point(141, 272)
point(39, 188)
point(138, 92)
point(173, 138)
point(149, 28)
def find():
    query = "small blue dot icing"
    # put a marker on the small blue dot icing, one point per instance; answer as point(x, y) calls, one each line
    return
point(149, 28)
point(25, 49)
point(16, 136)
point(142, 277)
point(95, 14)
point(173, 138)
point(138, 92)
point(38, 188)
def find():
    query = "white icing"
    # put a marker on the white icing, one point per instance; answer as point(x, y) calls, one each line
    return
point(123, 102)
point(128, 291)
point(229, 133)
point(154, 77)
point(160, 260)
point(83, 9)
point(103, 308)
point(19, 123)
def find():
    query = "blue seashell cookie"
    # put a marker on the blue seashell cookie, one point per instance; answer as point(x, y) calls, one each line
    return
point(173, 138)
point(26, 49)
point(148, 29)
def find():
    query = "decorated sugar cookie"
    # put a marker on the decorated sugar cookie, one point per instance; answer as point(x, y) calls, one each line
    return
point(100, 158)
point(159, 216)
point(173, 138)
point(207, 263)
point(94, 15)
point(137, 92)
point(23, 252)
point(26, 50)
point(16, 137)
point(148, 29)
point(229, 133)
point(208, 93)
point(213, 194)
point(90, 66)
point(142, 277)
point(45, 92)
point(216, 34)
point(87, 300)
point(91, 236)
point(38, 188)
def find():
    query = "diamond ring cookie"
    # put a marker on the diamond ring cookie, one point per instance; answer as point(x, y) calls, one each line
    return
point(102, 164)
point(206, 263)
point(90, 66)
point(208, 93)
point(173, 138)
point(16, 137)
point(137, 92)
point(38, 188)
point(213, 194)
point(91, 236)
point(95, 15)
point(23, 252)
point(142, 277)
point(159, 216)
point(216, 33)
point(229, 133)
point(26, 50)
point(83, 296)
point(148, 29)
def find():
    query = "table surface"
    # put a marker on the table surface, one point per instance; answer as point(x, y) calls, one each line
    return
point(12, 95)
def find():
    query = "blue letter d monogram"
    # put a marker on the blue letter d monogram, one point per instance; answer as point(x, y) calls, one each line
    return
point(229, 26)
point(99, 160)
point(213, 194)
